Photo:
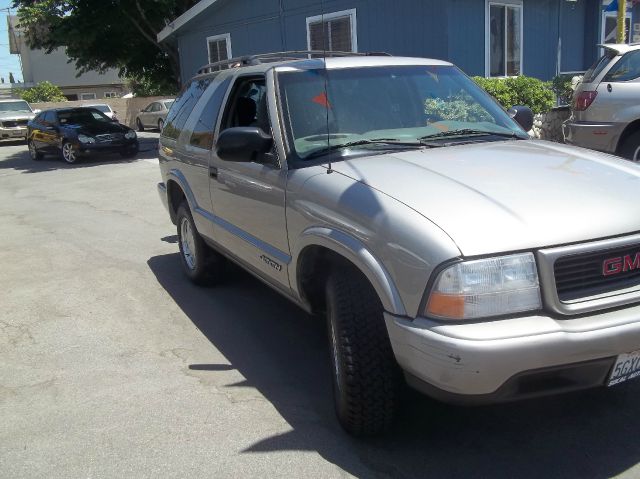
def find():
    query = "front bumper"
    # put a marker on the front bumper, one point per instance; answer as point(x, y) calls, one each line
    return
point(597, 136)
point(12, 133)
point(88, 149)
point(485, 361)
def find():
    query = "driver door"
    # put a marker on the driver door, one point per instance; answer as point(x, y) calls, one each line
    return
point(248, 199)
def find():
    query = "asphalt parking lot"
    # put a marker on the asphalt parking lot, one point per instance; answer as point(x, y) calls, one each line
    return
point(112, 365)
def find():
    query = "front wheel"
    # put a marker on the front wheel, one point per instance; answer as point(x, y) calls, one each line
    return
point(630, 149)
point(139, 124)
point(201, 264)
point(69, 153)
point(367, 381)
point(33, 151)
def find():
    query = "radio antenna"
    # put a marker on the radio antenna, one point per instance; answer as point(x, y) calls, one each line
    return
point(326, 80)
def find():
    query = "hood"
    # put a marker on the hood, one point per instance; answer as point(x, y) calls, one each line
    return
point(510, 195)
point(98, 128)
point(16, 115)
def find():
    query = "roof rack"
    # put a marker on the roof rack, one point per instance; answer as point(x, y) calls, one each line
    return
point(249, 60)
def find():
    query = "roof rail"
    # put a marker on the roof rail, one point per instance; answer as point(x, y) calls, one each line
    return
point(249, 60)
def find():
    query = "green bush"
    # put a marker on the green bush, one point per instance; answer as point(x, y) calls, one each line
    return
point(460, 107)
point(563, 88)
point(43, 91)
point(520, 90)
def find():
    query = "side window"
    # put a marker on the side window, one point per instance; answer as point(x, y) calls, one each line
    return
point(49, 118)
point(248, 105)
point(627, 68)
point(202, 136)
point(155, 107)
point(181, 108)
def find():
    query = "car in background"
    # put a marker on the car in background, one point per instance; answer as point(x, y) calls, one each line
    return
point(78, 132)
point(606, 104)
point(153, 115)
point(14, 116)
point(106, 109)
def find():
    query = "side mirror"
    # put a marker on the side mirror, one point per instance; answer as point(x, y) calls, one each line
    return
point(522, 115)
point(242, 144)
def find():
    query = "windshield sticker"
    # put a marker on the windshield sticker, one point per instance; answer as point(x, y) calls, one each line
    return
point(321, 99)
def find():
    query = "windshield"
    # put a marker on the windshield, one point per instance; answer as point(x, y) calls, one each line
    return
point(595, 70)
point(15, 106)
point(391, 103)
point(102, 108)
point(82, 116)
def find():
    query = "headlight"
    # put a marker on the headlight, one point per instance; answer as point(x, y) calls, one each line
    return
point(130, 135)
point(486, 287)
point(86, 139)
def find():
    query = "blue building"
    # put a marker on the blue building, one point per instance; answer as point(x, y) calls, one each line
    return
point(539, 38)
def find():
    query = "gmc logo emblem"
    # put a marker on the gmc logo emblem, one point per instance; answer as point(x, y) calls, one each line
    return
point(621, 264)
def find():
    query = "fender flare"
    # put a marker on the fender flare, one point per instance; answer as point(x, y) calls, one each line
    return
point(356, 252)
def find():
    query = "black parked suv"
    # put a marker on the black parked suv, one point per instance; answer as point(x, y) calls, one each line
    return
point(77, 132)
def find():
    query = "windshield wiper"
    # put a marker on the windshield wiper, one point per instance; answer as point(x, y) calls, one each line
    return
point(375, 141)
point(467, 132)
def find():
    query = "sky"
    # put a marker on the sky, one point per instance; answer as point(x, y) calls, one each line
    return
point(8, 62)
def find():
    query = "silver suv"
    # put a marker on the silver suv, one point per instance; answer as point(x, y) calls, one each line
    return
point(14, 116)
point(395, 198)
point(606, 104)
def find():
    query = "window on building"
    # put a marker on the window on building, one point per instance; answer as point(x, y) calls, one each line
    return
point(219, 47)
point(504, 38)
point(609, 30)
point(333, 31)
point(87, 96)
point(110, 94)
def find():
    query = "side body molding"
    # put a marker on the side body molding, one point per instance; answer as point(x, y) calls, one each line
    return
point(356, 252)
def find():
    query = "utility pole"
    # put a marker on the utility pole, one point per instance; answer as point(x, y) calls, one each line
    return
point(622, 21)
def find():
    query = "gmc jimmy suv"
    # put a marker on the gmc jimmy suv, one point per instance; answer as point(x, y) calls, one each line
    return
point(398, 200)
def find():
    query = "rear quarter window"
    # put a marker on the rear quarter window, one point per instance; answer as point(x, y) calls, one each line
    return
point(182, 107)
point(627, 68)
point(600, 64)
point(202, 136)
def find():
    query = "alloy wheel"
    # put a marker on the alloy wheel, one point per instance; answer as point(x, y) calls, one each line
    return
point(68, 153)
point(188, 244)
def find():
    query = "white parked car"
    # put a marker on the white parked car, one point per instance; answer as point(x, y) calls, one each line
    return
point(106, 109)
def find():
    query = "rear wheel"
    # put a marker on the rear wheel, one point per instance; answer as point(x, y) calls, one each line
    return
point(201, 264)
point(367, 381)
point(33, 151)
point(69, 153)
point(139, 124)
point(630, 148)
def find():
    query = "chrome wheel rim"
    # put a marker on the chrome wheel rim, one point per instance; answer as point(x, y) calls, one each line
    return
point(68, 153)
point(334, 355)
point(636, 155)
point(32, 150)
point(188, 244)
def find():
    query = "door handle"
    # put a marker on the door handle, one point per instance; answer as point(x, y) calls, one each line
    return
point(609, 88)
point(213, 172)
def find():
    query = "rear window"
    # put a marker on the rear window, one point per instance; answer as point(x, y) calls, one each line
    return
point(627, 68)
point(600, 64)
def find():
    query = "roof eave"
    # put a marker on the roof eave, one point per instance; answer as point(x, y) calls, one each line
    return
point(183, 19)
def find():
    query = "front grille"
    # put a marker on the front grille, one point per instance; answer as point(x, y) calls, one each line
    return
point(110, 137)
point(14, 123)
point(581, 275)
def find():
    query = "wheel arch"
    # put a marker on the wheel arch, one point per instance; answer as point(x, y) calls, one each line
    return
point(629, 130)
point(320, 249)
point(177, 192)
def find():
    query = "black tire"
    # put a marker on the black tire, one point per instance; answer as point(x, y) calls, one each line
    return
point(367, 381)
point(33, 151)
point(139, 125)
point(69, 153)
point(630, 148)
point(160, 124)
point(202, 265)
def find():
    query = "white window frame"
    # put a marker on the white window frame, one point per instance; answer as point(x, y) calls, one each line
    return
point(487, 33)
point(94, 97)
point(215, 38)
point(110, 94)
point(603, 21)
point(333, 15)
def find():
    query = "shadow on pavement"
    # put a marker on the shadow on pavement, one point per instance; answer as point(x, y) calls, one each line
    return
point(21, 160)
point(281, 351)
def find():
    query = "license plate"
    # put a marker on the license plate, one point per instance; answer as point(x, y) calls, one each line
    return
point(18, 133)
point(627, 367)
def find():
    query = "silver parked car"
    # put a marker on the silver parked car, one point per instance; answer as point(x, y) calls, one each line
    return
point(14, 117)
point(606, 105)
point(153, 115)
point(395, 198)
